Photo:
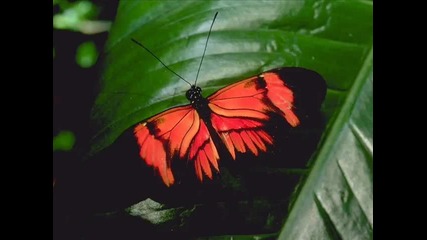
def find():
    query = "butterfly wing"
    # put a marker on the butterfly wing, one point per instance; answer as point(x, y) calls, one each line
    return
point(240, 110)
point(156, 138)
point(178, 132)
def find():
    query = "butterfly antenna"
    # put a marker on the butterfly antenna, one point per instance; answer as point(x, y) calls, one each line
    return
point(152, 54)
point(206, 46)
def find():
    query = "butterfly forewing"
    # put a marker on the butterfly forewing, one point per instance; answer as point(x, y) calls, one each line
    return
point(165, 135)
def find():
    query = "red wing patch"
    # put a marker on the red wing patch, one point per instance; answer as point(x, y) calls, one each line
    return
point(178, 132)
point(240, 111)
point(241, 134)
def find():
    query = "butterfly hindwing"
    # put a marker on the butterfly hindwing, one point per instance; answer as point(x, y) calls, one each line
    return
point(203, 152)
point(241, 134)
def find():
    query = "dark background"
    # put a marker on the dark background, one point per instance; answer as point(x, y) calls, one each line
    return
point(74, 87)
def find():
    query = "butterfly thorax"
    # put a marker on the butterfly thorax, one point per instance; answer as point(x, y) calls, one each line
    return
point(194, 95)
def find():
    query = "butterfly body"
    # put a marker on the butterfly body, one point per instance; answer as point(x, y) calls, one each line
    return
point(233, 118)
point(198, 102)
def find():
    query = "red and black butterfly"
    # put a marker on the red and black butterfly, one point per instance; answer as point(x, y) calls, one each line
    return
point(236, 114)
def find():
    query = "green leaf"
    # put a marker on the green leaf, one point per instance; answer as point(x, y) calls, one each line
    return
point(246, 39)
point(333, 38)
point(337, 198)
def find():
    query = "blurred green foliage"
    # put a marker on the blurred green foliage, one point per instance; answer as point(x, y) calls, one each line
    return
point(64, 141)
point(86, 54)
point(72, 20)
point(80, 28)
point(72, 15)
point(79, 16)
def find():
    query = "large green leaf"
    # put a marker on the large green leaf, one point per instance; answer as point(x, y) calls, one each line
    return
point(336, 201)
point(333, 38)
point(330, 37)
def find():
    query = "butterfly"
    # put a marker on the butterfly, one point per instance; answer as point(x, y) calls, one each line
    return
point(234, 116)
